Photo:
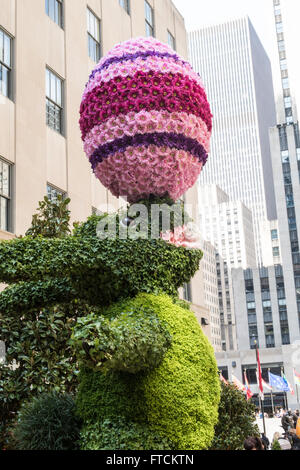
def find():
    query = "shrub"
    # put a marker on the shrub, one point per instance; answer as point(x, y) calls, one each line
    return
point(276, 445)
point(118, 434)
point(178, 400)
point(236, 420)
point(48, 422)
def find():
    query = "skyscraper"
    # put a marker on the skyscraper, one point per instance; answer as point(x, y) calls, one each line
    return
point(285, 154)
point(237, 75)
point(228, 226)
point(267, 299)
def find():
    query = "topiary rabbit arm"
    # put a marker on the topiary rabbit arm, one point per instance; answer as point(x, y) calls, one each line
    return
point(132, 342)
point(25, 296)
point(34, 258)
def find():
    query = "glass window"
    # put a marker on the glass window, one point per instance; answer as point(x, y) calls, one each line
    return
point(5, 64)
point(93, 29)
point(285, 83)
point(251, 305)
point(281, 46)
point(53, 192)
point(171, 41)
point(285, 156)
point(252, 318)
point(54, 11)
point(297, 135)
point(276, 251)
point(125, 4)
point(5, 189)
point(283, 64)
point(54, 104)
point(274, 234)
point(283, 138)
point(287, 102)
point(149, 18)
point(187, 292)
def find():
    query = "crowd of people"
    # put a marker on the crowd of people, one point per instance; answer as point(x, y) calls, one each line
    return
point(288, 440)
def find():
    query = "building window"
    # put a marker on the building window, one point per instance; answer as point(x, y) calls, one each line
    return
point(269, 332)
point(54, 10)
point(93, 29)
point(5, 194)
point(283, 64)
point(283, 138)
point(287, 102)
point(297, 135)
point(281, 46)
point(285, 83)
point(54, 101)
point(279, 27)
point(53, 192)
point(253, 336)
point(125, 4)
point(171, 41)
point(276, 251)
point(187, 292)
point(149, 19)
point(274, 234)
point(285, 158)
point(5, 64)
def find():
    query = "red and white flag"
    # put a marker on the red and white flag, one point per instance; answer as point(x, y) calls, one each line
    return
point(260, 384)
point(238, 384)
point(222, 379)
point(249, 393)
point(296, 377)
point(289, 385)
point(265, 385)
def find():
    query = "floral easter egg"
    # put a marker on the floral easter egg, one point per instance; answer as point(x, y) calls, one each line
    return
point(145, 121)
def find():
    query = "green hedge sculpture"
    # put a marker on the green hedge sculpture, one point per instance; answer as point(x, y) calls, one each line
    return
point(147, 370)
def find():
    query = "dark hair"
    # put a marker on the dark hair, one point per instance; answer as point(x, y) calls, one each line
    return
point(252, 443)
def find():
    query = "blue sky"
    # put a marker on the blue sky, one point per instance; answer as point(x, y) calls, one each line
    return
point(198, 13)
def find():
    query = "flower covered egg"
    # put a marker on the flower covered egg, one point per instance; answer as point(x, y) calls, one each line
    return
point(145, 121)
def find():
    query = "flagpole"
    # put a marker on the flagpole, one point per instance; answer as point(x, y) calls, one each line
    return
point(273, 411)
point(261, 401)
point(296, 383)
point(285, 396)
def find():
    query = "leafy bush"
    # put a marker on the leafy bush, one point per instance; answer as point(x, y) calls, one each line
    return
point(38, 356)
point(38, 344)
point(276, 445)
point(48, 422)
point(52, 219)
point(178, 400)
point(236, 420)
point(119, 434)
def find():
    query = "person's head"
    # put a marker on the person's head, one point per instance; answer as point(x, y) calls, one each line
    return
point(289, 412)
point(297, 412)
point(253, 443)
point(276, 436)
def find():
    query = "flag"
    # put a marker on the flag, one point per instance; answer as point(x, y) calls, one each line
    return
point(222, 379)
point(249, 393)
point(260, 385)
point(278, 382)
point(296, 377)
point(238, 384)
point(267, 386)
point(288, 384)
